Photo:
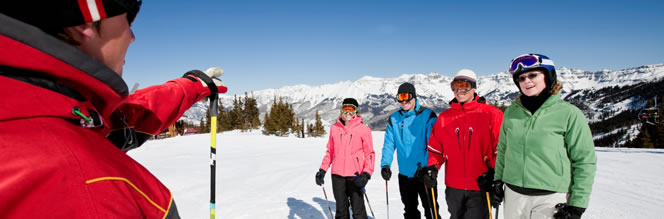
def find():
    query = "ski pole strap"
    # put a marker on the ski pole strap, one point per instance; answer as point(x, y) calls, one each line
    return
point(205, 78)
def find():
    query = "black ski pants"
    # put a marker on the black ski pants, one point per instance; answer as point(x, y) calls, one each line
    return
point(410, 188)
point(345, 193)
point(466, 204)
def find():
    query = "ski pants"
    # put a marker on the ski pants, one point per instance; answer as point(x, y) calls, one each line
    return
point(466, 204)
point(410, 188)
point(347, 193)
point(520, 206)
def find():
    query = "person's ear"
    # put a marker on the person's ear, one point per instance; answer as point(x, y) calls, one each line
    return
point(82, 33)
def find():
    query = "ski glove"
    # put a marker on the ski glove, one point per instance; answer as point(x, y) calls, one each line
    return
point(361, 180)
point(319, 177)
point(497, 193)
point(427, 175)
point(565, 211)
point(208, 78)
point(485, 181)
point(386, 173)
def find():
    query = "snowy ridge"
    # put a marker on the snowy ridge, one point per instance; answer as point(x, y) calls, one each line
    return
point(376, 95)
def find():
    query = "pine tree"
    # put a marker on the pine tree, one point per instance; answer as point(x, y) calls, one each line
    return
point(319, 130)
point(645, 139)
point(310, 130)
point(302, 128)
point(236, 114)
point(251, 112)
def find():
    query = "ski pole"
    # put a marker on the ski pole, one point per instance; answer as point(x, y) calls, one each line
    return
point(357, 175)
point(433, 202)
point(328, 202)
point(488, 203)
point(497, 208)
point(387, 200)
point(426, 190)
point(368, 202)
point(214, 111)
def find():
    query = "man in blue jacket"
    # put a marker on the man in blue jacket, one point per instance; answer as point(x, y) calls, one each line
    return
point(407, 133)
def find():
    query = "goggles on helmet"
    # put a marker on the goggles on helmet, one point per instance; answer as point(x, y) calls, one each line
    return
point(528, 61)
point(461, 86)
point(348, 109)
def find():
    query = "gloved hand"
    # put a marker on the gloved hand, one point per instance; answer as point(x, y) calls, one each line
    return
point(497, 193)
point(386, 173)
point(214, 73)
point(565, 211)
point(427, 175)
point(210, 76)
point(319, 177)
point(485, 181)
point(361, 180)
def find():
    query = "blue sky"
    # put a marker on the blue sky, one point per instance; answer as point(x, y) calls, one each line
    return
point(274, 43)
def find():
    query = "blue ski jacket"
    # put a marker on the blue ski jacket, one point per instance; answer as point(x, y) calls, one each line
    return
point(408, 133)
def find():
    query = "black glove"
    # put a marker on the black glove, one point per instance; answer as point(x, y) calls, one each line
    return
point(386, 173)
point(361, 180)
point(565, 211)
point(497, 193)
point(485, 181)
point(319, 177)
point(427, 175)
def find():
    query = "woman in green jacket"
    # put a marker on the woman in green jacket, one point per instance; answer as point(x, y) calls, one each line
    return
point(546, 156)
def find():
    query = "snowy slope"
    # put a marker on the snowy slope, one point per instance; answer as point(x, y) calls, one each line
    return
point(273, 177)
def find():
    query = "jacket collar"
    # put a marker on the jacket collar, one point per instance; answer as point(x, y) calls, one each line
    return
point(553, 99)
point(410, 112)
point(351, 124)
point(472, 105)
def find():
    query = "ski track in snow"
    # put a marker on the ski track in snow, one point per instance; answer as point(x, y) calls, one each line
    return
point(273, 177)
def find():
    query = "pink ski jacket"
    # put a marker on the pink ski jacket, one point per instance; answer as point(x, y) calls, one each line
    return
point(350, 149)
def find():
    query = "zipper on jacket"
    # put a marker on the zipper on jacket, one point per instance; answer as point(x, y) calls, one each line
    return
point(470, 136)
point(402, 130)
point(458, 139)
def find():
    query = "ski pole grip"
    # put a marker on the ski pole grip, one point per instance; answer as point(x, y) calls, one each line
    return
point(214, 93)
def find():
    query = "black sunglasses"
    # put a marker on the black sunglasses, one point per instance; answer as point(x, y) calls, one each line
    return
point(530, 76)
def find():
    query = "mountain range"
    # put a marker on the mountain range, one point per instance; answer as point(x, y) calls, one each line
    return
point(377, 96)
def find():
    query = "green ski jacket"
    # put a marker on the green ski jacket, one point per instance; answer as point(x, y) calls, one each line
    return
point(551, 149)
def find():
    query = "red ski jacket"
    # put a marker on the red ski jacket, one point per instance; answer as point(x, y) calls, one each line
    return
point(349, 149)
point(58, 107)
point(464, 138)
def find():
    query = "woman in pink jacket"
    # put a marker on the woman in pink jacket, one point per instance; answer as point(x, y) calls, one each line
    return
point(351, 154)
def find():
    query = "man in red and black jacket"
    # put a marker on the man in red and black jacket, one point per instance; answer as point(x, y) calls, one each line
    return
point(67, 120)
point(464, 138)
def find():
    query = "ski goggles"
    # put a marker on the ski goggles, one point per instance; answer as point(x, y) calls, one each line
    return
point(348, 109)
point(401, 97)
point(529, 61)
point(530, 75)
point(461, 86)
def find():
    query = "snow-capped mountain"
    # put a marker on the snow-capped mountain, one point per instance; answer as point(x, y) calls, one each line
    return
point(377, 95)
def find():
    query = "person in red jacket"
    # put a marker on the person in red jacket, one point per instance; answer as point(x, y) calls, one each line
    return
point(351, 154)
point(67, 118)
point(464, 138)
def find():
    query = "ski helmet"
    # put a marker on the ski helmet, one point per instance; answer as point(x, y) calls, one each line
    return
point(529, 62)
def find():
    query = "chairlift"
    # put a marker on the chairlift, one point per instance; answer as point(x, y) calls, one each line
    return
point(649, 115)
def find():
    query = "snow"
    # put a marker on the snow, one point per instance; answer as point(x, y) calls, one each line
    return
point(273, 177)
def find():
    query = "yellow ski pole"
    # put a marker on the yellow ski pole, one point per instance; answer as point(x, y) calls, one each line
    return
point(488, 202)
point(433, 201)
